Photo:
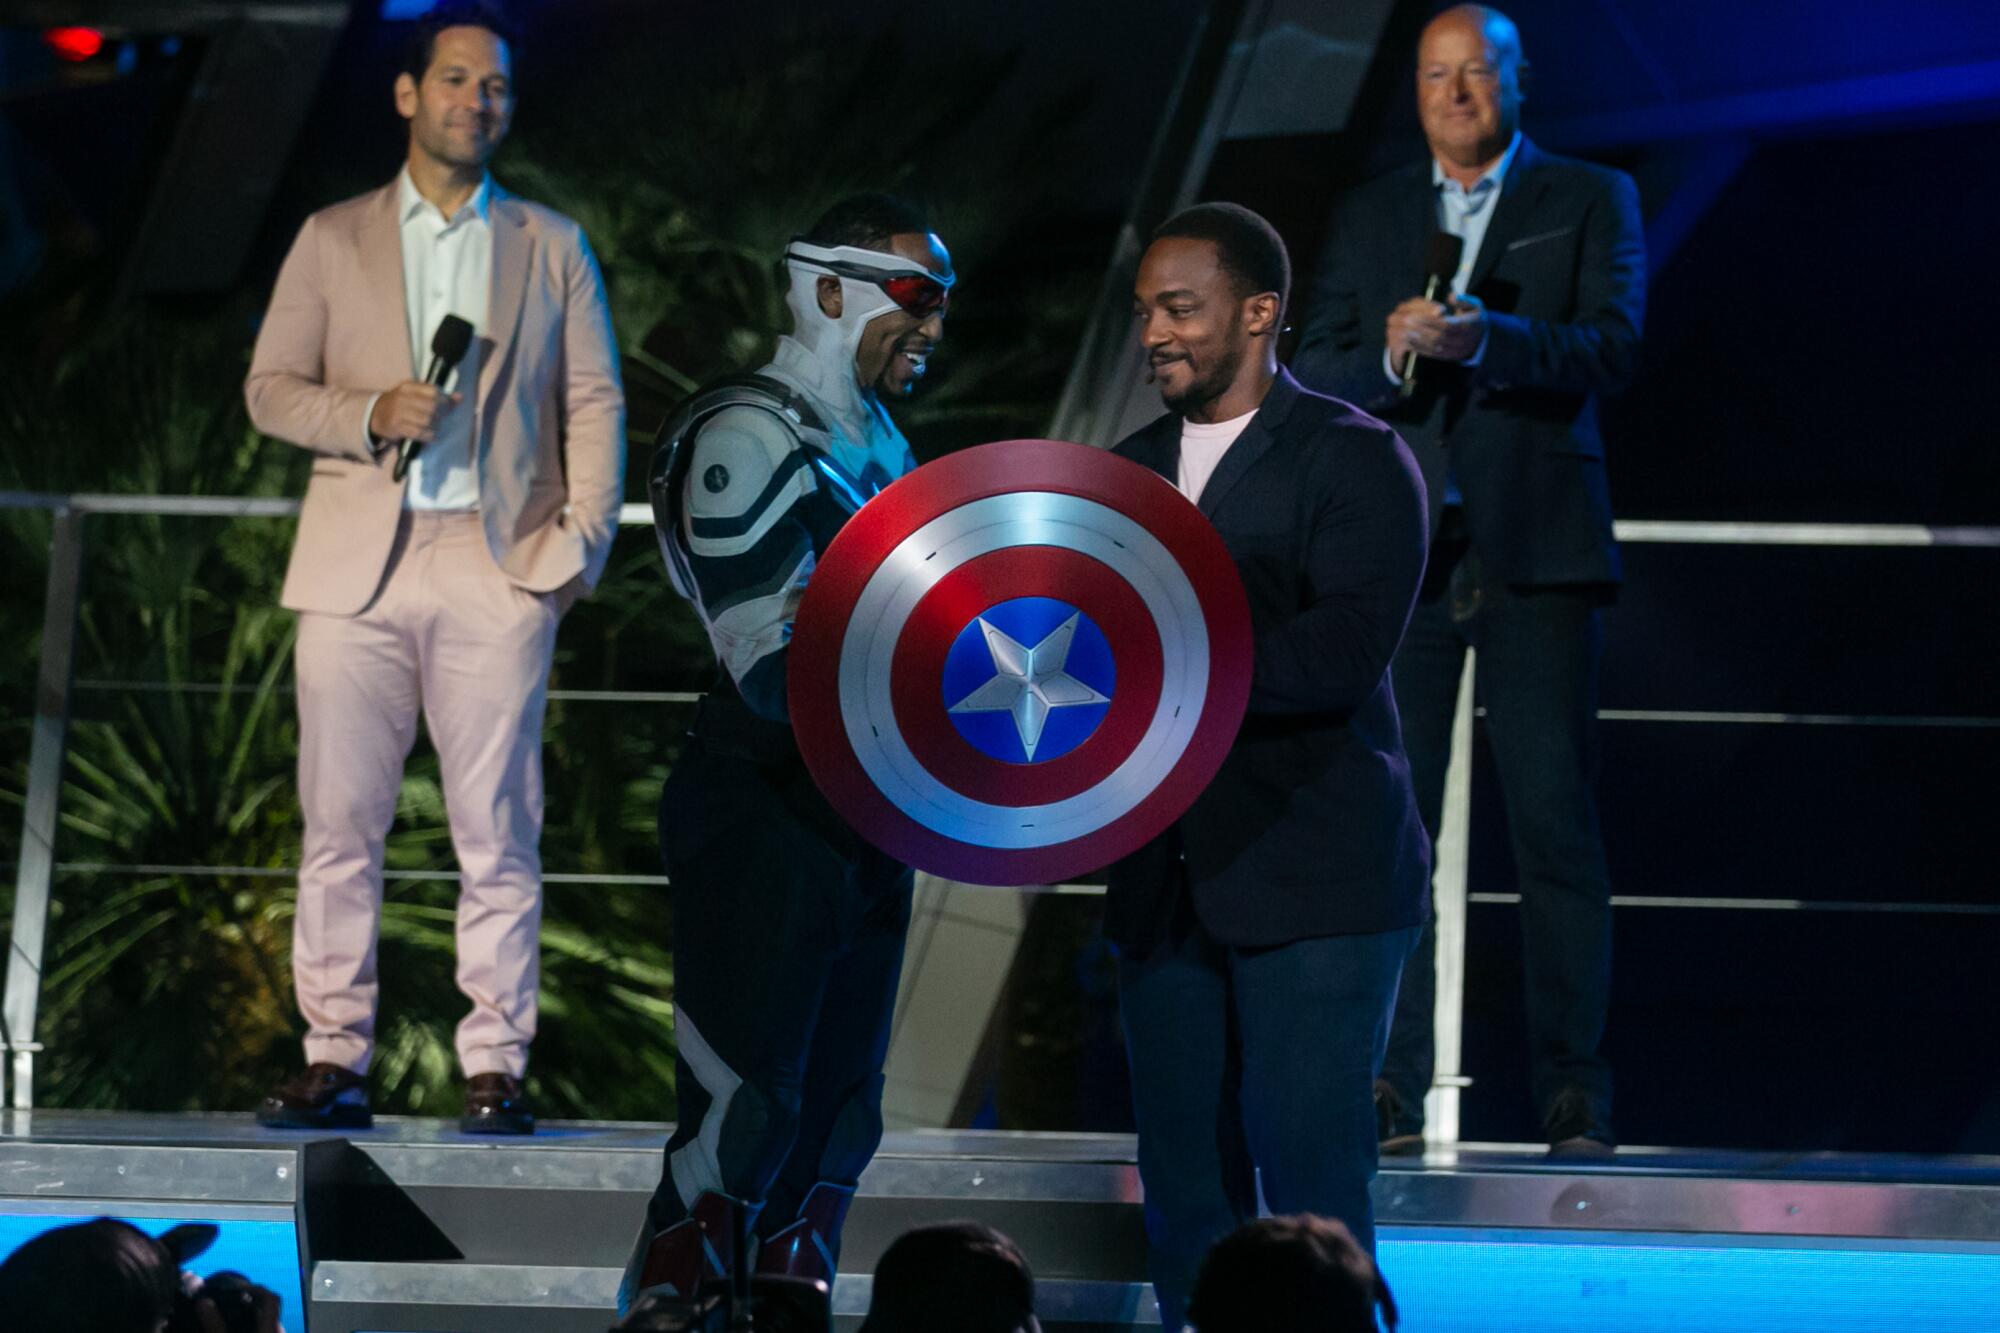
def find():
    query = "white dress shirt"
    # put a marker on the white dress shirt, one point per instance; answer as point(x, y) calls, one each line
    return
point(447, 270)
point(1203, 443)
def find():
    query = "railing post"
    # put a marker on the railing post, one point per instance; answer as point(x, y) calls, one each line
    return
point(38, 823)
point(1453, 863)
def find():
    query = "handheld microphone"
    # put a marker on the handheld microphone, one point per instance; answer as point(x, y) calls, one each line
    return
point(1441, 255)
point(448, 347)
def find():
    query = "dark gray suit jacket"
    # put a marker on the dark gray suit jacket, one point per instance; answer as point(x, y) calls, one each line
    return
point(1562, 270)
point(1310, 827)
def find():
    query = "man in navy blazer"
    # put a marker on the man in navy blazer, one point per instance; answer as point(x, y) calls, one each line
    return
point(1260, 937)
point(1495, 388)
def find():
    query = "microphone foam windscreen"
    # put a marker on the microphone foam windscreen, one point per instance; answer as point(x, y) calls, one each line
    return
point(1442, 254)
point(451, 340)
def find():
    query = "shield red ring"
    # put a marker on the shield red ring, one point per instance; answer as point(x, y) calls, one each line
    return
point(933, 557)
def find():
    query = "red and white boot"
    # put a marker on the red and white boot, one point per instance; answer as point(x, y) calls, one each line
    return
point(807, 1245)
point(698, 1248)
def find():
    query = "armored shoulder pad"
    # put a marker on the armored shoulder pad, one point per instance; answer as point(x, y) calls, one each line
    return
point(673, 449)
point(747, 471)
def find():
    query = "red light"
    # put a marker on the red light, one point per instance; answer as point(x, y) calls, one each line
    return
point(75, 43)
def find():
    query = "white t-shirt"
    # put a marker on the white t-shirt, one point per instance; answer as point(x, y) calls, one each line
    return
point(1202, 446)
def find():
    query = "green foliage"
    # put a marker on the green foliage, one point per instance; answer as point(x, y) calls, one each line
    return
point(161, 990)
point(689, 213)
point(170, 990)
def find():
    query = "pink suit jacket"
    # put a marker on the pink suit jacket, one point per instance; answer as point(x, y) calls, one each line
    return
point(550, 428)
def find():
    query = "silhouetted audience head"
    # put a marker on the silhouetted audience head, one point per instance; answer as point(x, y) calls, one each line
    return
point(102, 1276)
point(956, 1276)
point(1290, 1275)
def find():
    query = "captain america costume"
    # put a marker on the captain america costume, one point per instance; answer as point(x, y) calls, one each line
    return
point(788, 926)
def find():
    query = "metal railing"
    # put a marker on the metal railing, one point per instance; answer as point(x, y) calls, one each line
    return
point(55, 685)
point(54, 688)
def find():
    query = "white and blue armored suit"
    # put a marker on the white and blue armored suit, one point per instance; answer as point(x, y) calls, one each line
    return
point(788, 926)
point(779, 462)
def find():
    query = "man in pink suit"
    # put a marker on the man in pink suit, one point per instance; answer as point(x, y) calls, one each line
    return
point(437, 591)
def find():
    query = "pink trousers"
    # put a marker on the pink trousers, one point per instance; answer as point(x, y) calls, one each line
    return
point(448, 635)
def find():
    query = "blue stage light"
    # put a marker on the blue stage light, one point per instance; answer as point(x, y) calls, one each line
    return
point(1475, 1282)
point(266, 1252)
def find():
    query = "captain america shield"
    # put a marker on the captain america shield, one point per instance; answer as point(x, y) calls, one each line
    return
point(1019, 663)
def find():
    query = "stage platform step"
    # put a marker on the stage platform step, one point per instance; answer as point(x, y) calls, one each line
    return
point(414, 1228)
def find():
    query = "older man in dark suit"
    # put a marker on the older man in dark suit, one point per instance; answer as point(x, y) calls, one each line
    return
point(1261, 935)
point(1495, 388)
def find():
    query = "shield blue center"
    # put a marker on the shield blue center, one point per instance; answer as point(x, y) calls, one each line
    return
point(1028, 680)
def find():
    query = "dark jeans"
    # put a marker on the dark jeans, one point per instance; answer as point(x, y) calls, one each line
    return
point(1539, 652)
point(1249, 1062)
point(788, 947)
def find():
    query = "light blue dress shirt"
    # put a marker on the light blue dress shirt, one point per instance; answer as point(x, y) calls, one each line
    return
point(1465, 214)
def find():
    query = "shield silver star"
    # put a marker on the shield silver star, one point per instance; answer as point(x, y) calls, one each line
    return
point(1029, 682)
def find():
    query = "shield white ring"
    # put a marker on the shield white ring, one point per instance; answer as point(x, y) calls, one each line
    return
point(919, 562)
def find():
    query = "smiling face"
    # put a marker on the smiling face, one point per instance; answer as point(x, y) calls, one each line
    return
point(460, 110)
point(896, 346)
point(1197, 328)
point(1469, 85)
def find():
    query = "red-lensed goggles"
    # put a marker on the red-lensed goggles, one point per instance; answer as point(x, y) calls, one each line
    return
point(915, 290)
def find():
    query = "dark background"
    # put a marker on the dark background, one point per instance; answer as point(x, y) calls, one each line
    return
point(1810, 203)
point(1819, 190)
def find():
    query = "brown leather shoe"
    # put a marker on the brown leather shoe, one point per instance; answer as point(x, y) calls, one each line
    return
point(495, 1104)
point(323, 1097)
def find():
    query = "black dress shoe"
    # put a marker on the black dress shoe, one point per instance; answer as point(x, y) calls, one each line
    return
point(1397, 1132)
point(323, 1097)
point(1578, 1125)
point(495, 1104)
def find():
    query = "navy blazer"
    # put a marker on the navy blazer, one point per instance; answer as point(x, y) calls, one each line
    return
point(1310, 828)
point(1562, 270)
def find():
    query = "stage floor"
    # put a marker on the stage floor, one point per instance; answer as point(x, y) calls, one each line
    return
point(414, 1227)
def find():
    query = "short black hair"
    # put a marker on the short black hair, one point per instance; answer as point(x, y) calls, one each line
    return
point(960, 1275)
point(103, 1276)
point(867, 221)
point(422, 46)
point(1300, 1274)
point(1250, 249)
